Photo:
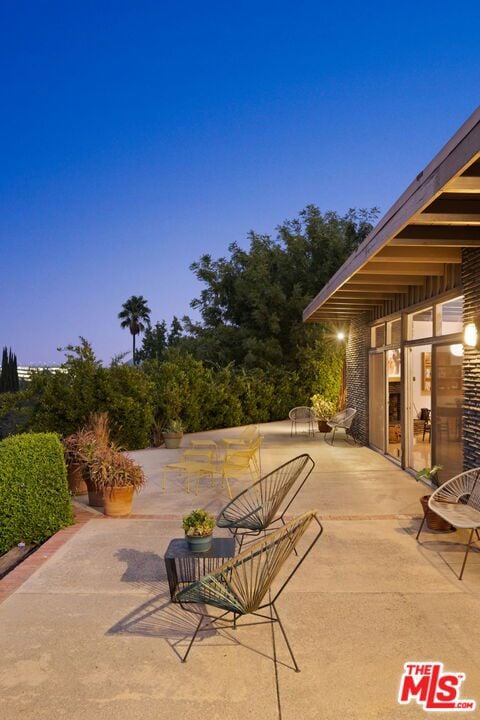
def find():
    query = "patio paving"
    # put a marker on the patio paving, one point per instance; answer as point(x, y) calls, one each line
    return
point(91, 633)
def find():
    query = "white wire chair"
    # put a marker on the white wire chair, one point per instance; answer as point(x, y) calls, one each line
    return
point(302, 415)
point(343, 420)
point(457, 501)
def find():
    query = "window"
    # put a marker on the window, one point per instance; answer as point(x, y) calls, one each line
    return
point(378, 335)
point(450, 317)
point(420, 324)
point(394, 332)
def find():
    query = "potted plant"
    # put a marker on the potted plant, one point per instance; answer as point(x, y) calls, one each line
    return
point(87, 450)
point(324, 410)
point(117, 477)
point(90, 441)
point(74, 462)
point(434, 521)
point(198, 528)
point(173, 434)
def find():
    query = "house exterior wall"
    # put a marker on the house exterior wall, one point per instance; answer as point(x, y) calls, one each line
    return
point(357, 375)
point(471, 359)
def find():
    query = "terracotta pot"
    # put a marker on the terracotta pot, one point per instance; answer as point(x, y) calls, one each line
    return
point(95, 497)
point(76, 483)
point(434, 521)
point(118, 501)
point(172, 440)
point(323, 427)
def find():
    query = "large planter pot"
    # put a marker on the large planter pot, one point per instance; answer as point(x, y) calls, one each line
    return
point(199, 544)
point(172, 440)
point(118, 501)
point(434, 521)
point(76, 482)
point(95, 497)
point(323, 426)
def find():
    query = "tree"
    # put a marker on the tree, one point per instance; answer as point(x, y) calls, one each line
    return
point(252, 302)
point(9, 373)
point(135, 315)
point(154, 342)
point(175, 334)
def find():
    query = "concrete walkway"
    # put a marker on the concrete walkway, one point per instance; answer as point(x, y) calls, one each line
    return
point(91, 633)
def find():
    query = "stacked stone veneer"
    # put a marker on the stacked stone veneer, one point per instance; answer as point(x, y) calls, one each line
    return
point(357, 376)
point(471, 360)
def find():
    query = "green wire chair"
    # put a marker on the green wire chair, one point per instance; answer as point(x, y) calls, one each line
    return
point(255, 509)
point(243, 585)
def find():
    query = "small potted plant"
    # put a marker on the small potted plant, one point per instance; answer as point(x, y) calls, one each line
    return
point(324, 410)
point(117, 477)
point(173, 434)
point(198, 528)
point(434, 521)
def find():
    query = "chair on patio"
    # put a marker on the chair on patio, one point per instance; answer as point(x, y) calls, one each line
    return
point(241, 460)
point(194, 464)
point(243, 585)
point(255, 510)
point(342, 419)
point(302, 416)
point(458, 502)
point(246, 437)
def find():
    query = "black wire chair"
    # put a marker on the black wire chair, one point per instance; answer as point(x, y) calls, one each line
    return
point(253, 511)
point(243, 585)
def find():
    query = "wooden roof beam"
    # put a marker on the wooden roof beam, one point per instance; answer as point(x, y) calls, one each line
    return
point(441, 235)
point(405, 268)
point(448, 218)
point(419, 254)
point(360, 279)
point(386, 289)
point(363, 295)
point(464, 184)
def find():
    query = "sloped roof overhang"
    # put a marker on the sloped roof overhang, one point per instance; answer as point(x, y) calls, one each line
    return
point(421, 235)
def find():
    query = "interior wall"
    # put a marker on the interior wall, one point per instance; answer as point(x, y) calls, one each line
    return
point(421, 398)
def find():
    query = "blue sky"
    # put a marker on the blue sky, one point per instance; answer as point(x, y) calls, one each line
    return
point(136, 136)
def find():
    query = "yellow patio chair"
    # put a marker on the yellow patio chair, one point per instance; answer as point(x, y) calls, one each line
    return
point(237, 462)
point(246, 437)
point(205, 444)
point(195, 463)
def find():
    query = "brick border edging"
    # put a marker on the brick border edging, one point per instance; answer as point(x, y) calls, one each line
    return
point(16, 577)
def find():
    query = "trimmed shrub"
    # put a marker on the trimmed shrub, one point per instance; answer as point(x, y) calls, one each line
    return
point(34, 499)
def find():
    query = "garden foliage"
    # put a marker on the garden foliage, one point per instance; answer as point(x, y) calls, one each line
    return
point(34, 498)
point(249, 359)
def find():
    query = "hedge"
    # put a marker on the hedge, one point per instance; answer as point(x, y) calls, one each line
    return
point(34, 498)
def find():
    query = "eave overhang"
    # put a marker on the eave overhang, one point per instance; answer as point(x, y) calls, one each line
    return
point(420, 237)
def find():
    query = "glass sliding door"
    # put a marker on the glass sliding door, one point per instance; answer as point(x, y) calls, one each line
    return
point(394, 396)
point(447, 399)
point(377, 412)
point(418, 403)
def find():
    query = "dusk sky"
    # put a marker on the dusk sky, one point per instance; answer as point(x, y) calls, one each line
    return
point(136, 136)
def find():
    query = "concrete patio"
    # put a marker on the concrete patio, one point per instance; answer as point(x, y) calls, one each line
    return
point(92, 635)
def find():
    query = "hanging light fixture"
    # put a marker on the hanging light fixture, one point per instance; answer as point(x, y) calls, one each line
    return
point(457, 349)
point(470, 336)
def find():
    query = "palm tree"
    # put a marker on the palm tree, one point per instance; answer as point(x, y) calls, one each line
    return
point(135, 315)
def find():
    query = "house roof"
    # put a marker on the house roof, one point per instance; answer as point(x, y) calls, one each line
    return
point(421, 236)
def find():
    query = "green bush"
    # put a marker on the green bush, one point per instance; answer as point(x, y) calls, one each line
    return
point(63, 402)
point(34, 499)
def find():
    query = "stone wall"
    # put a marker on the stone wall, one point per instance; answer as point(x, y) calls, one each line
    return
point(357, 376)
point(471, 359)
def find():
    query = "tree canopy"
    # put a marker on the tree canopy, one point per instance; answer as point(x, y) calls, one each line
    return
point(252, 302)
